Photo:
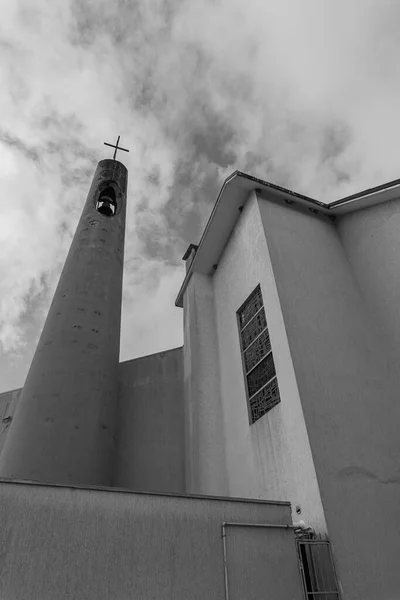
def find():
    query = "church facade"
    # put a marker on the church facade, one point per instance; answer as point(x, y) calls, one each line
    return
point(261, 460)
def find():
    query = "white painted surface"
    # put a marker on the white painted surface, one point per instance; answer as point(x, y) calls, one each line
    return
point(271, 458)
point(348, 390)
point(371, 239)
point(332, 444)
point(204, 429)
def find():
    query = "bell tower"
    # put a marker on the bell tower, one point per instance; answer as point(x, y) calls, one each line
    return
point(64, 426)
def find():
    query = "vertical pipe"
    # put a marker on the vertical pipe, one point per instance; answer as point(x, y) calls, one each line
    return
point(225, 561)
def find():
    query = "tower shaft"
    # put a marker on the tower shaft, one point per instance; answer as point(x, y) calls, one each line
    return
point(64, 427)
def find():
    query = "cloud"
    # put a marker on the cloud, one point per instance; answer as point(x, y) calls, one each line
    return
point(303, 94)
point(287, 74)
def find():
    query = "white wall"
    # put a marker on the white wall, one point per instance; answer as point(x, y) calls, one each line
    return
point(271, 458)
point(204, 428)
point(333, 440)
point(371, 239)
point(348, 388)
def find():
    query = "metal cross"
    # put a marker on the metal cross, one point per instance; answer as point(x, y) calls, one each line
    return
point(116, 147)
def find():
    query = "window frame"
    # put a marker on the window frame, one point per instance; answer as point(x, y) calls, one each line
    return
point(242, 351)
point(310, 571)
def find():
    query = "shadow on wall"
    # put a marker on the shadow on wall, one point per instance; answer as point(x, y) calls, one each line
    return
point(150, 428)
point(150, 423)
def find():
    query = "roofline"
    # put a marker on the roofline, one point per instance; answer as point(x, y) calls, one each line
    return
point(100, 488)
point(337, 207)
point(327, 205)
point(365, 193)
point(275, 187)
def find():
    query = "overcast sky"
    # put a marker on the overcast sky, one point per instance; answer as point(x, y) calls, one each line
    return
point(302, 93)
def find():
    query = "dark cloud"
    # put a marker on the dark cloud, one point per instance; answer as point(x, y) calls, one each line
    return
point(180, 220)
point(216, 140)
point(65, 141)
point(336, 137)
point(17, 143)
point(129, 25)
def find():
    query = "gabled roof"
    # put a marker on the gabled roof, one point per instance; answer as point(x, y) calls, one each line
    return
point(234, 193)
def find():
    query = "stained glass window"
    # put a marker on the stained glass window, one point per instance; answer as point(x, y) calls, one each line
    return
point(261, 374)
point(257, 350)
point(262, 384)
point(253, 328)
point(252, 305)
point(266, 399)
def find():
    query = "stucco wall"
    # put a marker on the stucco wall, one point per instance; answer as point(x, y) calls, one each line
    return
point(349, 394)
point(371, 239)
point(150, 430)
point(271, 458)
point(58, 542)
point(204, 427)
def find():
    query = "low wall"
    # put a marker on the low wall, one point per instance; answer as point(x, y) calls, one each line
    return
point(63, 542)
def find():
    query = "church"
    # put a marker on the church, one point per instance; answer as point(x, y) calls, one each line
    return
point(261, 460)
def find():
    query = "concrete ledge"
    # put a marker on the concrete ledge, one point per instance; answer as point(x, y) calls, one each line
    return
point(141, 492)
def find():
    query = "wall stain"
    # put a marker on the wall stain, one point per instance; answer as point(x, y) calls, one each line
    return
point(361, 471)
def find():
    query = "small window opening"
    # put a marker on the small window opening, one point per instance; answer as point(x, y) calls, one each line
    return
point(317, 570)
point(107, 203)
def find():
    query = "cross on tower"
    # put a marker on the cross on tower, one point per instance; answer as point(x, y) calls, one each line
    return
point(116, 147)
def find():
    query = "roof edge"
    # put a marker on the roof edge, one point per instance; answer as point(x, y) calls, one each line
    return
point(179, 298)
point(279, 188)
point(359, 195)
point(99, 488)
point(304, 200)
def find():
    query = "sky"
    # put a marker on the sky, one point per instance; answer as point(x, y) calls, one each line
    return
point(304, 94)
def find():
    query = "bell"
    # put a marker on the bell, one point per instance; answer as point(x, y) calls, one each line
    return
point(106, 206)
point(106, 209)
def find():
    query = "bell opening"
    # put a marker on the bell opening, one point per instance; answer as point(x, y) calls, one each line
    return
point(107, 204)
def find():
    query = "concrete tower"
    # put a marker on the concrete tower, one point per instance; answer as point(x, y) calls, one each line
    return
point(64, 427)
